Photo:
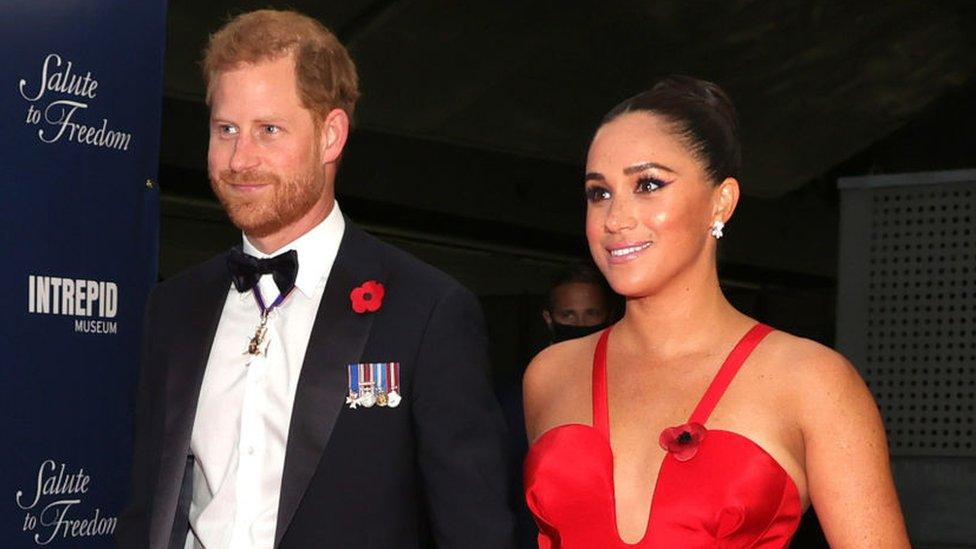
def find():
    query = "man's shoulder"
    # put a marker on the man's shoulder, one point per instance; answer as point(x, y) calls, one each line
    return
point(408, 271)
point(192, 279)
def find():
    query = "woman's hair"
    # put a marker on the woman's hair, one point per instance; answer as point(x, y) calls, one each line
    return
point(700, 113)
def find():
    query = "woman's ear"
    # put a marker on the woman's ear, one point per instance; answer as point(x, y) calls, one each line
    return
point(725, 198)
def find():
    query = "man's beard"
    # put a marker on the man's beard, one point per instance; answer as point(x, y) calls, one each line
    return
point(260, 217)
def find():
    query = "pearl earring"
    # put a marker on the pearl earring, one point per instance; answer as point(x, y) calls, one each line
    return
point(717, 229)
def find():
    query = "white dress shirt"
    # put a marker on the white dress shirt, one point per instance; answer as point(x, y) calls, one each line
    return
point(241, 427)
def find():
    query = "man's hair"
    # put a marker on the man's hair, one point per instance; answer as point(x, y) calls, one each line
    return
point(582, 273)
point(324, 72)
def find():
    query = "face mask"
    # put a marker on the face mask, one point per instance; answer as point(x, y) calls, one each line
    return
point(562, 332)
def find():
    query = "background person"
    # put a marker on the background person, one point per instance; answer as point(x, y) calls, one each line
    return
point(578, 304)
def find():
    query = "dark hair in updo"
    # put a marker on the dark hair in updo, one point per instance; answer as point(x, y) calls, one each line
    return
point(701, 114)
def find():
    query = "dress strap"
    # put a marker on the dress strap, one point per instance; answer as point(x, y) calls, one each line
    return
point(601, 412)
point(727, 372)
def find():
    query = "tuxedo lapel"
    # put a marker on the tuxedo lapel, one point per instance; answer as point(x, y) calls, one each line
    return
point(191, 345)
point(338, 338)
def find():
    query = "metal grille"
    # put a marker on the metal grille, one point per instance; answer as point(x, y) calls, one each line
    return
point(920, 340)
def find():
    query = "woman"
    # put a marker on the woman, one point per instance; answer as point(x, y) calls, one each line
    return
point(649, 433)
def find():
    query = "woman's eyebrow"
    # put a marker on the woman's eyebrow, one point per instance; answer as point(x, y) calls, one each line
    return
point(637, 168)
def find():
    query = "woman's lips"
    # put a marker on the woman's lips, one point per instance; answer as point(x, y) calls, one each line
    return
point(628, 251)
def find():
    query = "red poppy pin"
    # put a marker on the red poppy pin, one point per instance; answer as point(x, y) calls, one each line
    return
point(682, 441)
point(367, 298)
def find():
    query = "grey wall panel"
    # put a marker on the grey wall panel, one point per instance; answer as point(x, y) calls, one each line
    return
point(906, 317)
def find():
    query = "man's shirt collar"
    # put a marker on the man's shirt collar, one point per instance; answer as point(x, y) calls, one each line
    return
point(317, 250)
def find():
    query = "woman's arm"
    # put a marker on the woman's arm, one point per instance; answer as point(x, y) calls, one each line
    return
point(846, 453)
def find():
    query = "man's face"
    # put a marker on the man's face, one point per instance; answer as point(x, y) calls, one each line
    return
point(577, 304)
point(264, 162)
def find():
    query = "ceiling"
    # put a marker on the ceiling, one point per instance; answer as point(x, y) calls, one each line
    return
point(814, 82)
point(475, 115)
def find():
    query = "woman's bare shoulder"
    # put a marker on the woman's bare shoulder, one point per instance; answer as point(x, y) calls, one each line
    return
point(820, 377)
point(565, 357)
point(808, 358)
point(554, 380)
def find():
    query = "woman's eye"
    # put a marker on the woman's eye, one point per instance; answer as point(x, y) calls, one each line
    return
point(596, 194)
point(649, 184)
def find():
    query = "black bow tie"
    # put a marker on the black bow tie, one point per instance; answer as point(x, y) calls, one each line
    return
point(246, 270)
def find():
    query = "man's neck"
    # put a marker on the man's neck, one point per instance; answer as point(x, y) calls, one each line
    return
point(269, 244)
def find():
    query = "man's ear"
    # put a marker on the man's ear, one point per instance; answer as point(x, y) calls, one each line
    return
point(725, 198)
point(334, 132)
point(547, 317)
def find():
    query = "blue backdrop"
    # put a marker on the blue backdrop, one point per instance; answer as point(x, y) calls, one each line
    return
point(80, 95)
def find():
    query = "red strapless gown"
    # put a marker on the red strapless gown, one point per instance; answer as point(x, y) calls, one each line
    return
point(714, 489)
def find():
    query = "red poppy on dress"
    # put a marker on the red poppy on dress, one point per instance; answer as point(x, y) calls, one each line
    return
point(682, 441)
point(367, 298)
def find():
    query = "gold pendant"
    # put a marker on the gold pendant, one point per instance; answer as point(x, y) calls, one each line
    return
point(254, 346)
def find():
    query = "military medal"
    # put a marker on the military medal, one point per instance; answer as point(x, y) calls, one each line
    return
point(392, 370)
point(257, 346)
point(380, 375)
point(352, 399)
point(374, 384)
point(367, 387)
point(254, 346)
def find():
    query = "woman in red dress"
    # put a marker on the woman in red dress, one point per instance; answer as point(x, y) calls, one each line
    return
point(689, 424)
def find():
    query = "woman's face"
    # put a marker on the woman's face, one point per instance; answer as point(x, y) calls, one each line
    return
point(650, 205)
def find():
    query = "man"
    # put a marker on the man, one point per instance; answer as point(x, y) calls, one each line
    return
point(315, 387)
point(579, 303)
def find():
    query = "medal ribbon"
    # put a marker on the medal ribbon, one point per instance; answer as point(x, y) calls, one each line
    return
point(265, 310)
point(353, 379)
point(394, 374)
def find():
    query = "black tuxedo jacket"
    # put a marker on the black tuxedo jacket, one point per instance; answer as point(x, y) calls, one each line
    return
point(432, 468)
